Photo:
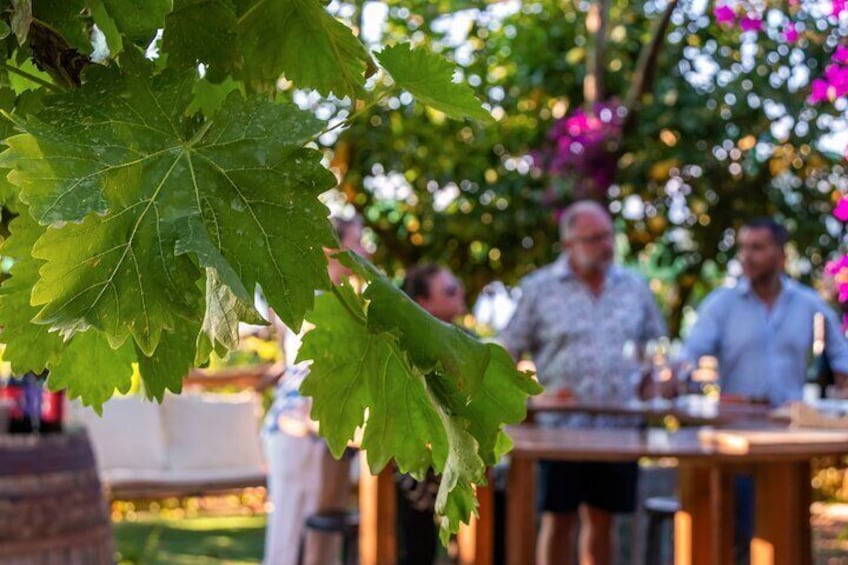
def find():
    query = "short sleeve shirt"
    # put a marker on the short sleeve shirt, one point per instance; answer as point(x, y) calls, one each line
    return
point(576, 338)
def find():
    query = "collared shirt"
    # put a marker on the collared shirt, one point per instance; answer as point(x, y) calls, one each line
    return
point(762, 352)
point(577, 339)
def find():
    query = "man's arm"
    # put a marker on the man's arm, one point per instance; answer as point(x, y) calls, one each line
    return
point(653, 325)
point(705, 335)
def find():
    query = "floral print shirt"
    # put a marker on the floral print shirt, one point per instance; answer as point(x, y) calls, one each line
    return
point(577, 339)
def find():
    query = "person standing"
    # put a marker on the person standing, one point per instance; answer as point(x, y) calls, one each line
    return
point(575, 318)
point(761, 332)
point(303, 476)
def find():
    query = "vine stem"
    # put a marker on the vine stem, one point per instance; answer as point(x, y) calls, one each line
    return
point(28, 76)
point(356, 315)
point(597, 24)
point(645, 72)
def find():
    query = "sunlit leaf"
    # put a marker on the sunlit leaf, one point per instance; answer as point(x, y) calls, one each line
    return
point(300, 40)
point(429, 77)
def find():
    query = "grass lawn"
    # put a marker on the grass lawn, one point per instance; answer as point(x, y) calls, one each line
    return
point(152, 539)
point(228, 539)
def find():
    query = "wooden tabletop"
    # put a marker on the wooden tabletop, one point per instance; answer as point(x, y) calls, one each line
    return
point(687, 411)
point(611, 444)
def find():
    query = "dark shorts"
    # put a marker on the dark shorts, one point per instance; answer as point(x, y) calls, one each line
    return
point(565, 485)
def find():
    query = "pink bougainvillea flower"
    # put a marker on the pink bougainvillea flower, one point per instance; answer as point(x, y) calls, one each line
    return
point(748, 23)
point(841, 209)
point(837, 270)
point(819, 91)
point(578, 154)
point(837, 77)
point(841, 55)
point(838, 7)
point(724, 14)
point(790, 33)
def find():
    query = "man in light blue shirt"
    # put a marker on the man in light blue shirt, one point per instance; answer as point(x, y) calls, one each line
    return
point(761, 330)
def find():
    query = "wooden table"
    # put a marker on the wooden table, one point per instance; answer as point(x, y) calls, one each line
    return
point(704, 525)
point(725, 413)
point(378, 539)
point(377, 521)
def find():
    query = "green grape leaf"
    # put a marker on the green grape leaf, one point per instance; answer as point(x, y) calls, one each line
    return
point(66, 17)
point(107, 25)
point(401, 423)
point(209, 97)
point(91, 370)
point(202, 31)
point(500, 400)
point(8, 191)
point(20, 83)
point(430, 343)
point(354, 368)
point(455, 501)
point(224, 310)
point(138, 24)
point(429, 77)
point(301, 40)
point(119, 172)
point(21, 19)
point(113, 273)
point(368, 371)
point(170, 363)
point(337, 382)
point(29, 347)
point(365, 372)
point(192, 237)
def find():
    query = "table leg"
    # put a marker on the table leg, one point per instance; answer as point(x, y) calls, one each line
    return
point(521, 512)
point(703, 528)
point(377, 516)
point(782, 514)
point(476, 539)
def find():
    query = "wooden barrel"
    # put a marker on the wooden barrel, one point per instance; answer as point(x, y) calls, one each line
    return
point(52, 508)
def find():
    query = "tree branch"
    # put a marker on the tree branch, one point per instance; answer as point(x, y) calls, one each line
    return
point(643, 77)
point(597, 22)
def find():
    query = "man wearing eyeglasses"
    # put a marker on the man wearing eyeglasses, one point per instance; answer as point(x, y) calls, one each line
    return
point(574, 318)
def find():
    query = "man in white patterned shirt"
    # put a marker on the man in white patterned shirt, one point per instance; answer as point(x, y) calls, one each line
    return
point(575, 317)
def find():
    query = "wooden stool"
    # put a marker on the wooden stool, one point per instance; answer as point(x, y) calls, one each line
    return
point(659, 510)
point(335, 522)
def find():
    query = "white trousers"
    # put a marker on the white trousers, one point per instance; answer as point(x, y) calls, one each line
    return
point(303, 478)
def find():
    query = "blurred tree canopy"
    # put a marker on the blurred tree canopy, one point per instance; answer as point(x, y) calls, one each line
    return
point(718, 130)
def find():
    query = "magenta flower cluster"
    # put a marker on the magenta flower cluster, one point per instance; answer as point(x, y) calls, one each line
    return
point(834, 83)
point(729, 17)
point(837, 271)
point(579, 151)
point(748, 18)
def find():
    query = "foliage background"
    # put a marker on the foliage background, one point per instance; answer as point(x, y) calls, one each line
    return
point(724, 133)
